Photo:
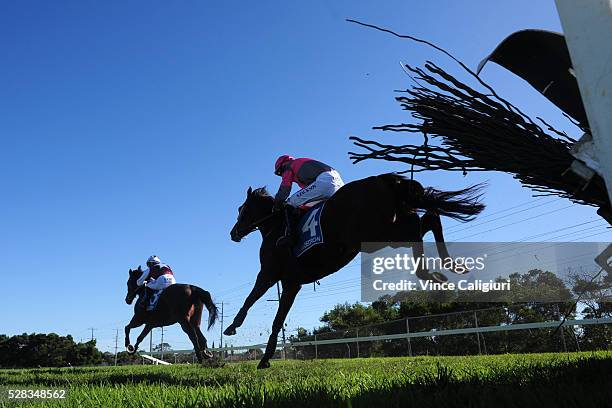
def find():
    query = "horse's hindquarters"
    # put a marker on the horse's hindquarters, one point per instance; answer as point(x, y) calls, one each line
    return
point(361, 211)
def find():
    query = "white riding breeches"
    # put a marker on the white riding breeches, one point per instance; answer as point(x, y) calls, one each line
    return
point(162, 282)
point(324, 186)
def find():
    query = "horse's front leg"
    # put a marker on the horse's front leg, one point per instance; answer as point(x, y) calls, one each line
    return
point(431, 222)
point(419, 253)
point(135, 322)
point(290, 291)
point(263, 282)
point(147, 329)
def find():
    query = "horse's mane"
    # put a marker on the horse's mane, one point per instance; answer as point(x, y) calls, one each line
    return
point(261, 192)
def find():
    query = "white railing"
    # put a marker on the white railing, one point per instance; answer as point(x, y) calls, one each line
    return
point(409, 335)
point(154, 360)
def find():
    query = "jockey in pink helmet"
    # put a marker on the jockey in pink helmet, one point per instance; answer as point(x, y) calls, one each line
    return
point(317, 182)
point(159, 276)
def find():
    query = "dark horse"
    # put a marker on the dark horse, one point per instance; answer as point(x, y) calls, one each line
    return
point(178, 303)
point(379, 209)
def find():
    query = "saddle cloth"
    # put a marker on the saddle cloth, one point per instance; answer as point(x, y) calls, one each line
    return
point(309, 232)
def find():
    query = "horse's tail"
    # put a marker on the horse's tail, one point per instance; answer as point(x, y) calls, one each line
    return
point(463, 205)
point(205, 297)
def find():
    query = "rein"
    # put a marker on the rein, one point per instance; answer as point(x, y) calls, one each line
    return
point(256, 224)
point(136, 292)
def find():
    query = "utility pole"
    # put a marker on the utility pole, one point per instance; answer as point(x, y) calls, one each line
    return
point(221, 341)
point(162, 344)
point(92, 332)
point(116, 342)
point(151, 342)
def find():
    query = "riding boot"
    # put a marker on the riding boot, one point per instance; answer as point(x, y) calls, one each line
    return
point(153, 300)
point(287, 238)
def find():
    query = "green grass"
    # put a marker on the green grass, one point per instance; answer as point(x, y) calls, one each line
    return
point(559, 380)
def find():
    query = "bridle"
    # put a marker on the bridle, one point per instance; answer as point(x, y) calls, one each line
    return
point(254, 225)
point(132, 295)
point(136, 292)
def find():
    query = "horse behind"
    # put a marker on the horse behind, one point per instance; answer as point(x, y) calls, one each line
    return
point(179, 303)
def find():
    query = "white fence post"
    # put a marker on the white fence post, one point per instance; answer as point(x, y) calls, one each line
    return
point(408, 338)
point(477, 334)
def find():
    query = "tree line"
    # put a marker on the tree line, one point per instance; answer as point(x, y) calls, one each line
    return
point(51, 350)
point(46, 350)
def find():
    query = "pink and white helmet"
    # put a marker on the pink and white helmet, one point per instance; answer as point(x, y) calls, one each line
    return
point(280, 162)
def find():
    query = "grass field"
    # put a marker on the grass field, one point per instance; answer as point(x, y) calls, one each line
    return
point(559, 380)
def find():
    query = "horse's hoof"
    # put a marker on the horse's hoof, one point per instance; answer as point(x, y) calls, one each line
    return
point(263, 364)
point(130, 349)
point(458, 269)
point(434, 276)
point(207, 354)
point(423, 274)
point(438, 277)
point(463, 272)
point(230, 331)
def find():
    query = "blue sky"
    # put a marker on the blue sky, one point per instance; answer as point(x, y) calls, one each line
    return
point(133, 128)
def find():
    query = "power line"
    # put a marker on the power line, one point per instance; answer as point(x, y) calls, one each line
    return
point(560, 229)
point(516, 222)
point(472, 225)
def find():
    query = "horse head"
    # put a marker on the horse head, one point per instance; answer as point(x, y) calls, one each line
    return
point(132, 287)
point(256, 209)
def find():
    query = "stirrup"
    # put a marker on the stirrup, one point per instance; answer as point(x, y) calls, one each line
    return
point(152, 304)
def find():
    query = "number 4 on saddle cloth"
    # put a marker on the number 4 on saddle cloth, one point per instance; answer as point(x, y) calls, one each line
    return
point(309, 232)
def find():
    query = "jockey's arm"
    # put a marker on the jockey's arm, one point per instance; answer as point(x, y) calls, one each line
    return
point(285, 188)
point(155, 284)
point(162, 282)
point(143, 277)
